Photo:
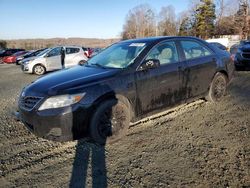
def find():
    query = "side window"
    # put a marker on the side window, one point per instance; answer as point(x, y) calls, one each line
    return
point(165, 53)
point(55, 52)
point(72, 50)
point(194, 49)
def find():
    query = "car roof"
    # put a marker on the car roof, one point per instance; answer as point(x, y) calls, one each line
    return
point(157, 39)
point(67, 46)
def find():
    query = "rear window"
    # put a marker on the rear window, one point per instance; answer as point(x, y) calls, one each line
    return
point(193, 49)
point(72, 50)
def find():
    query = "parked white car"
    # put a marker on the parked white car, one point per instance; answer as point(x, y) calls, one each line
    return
point(50, 59)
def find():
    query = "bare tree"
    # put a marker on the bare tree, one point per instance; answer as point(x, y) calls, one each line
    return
point(167, 21)
point(242, 19)
point(140, 22)
point(3, 44)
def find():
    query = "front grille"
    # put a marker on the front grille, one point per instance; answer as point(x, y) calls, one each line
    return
point(246, 55)
point(29, 102)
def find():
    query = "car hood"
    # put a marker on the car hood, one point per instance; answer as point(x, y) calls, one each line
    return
point(63, 81)
point(28, 59)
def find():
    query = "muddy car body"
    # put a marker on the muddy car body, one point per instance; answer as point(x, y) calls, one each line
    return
point(124, 83)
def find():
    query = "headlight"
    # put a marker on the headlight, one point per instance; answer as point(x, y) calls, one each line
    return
point(61, 101)
point(26, 62)
point(19, 58)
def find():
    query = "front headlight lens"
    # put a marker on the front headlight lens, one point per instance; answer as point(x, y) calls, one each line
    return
point(26, 62)
point(61, 101)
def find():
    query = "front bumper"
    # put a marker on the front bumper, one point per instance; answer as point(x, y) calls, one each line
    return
point(62, 124)
point(26, 68)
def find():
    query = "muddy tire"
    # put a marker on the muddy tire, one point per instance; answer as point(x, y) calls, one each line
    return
point(82, 62)
point(217, 88)
point(110, 122)
point(39, 69)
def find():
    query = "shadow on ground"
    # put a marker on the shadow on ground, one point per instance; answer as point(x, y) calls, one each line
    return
point(89, 155)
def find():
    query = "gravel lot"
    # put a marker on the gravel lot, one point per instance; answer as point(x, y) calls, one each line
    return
point(195, 145)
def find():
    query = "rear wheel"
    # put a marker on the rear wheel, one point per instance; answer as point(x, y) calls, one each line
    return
point(39, 69)
point(110, 122)
point(217, 88)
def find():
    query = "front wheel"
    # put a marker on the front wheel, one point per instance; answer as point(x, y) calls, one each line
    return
point(110, 122)
point(39, 69)
point(217, 88)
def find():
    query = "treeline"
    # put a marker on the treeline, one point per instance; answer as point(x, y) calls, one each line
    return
point(204, 19)
point(29, 44)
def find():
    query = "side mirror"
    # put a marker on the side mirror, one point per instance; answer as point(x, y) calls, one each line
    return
point(149, 64)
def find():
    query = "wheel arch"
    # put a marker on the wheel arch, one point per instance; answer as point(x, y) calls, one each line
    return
point(222, 71)
point(118, 97)
point(36, 65)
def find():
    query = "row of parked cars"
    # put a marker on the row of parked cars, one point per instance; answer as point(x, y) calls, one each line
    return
point(47, 59)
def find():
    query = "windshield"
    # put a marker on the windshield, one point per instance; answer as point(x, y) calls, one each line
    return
point(18, 53)
point(119, 55)
point(43, 52)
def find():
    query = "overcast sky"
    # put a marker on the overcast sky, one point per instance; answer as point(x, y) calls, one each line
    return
point(71, 18)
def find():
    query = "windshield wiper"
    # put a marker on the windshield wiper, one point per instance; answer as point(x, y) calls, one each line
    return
point(98, 65)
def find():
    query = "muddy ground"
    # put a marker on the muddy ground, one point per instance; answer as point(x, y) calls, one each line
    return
point(195, 145)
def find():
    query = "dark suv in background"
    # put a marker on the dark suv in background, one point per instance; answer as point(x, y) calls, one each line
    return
point(242, 56)
point(127, 81)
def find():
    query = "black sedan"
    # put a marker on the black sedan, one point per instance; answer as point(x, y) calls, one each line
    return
point(125, 82)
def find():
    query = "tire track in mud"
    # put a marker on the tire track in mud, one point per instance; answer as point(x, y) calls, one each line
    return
point(29, 160)
point(167, 115)
point(52, 155)
point(47, 158)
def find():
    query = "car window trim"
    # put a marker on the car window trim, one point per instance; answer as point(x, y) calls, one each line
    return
point(154, 46)
point(54, 49)
point(72, 48)
point(183, 53)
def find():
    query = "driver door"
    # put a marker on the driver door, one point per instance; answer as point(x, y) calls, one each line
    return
point(159, 87)
point(71, 58)
point(53, 59)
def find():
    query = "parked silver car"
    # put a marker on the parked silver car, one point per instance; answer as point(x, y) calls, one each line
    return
point(50, 59)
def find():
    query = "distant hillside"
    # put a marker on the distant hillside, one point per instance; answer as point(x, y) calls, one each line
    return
point(43, 43)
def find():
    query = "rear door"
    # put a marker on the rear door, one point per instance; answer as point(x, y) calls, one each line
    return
point(201, 67)
point(53, 59)
point(71, 56)
point(160, 87)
